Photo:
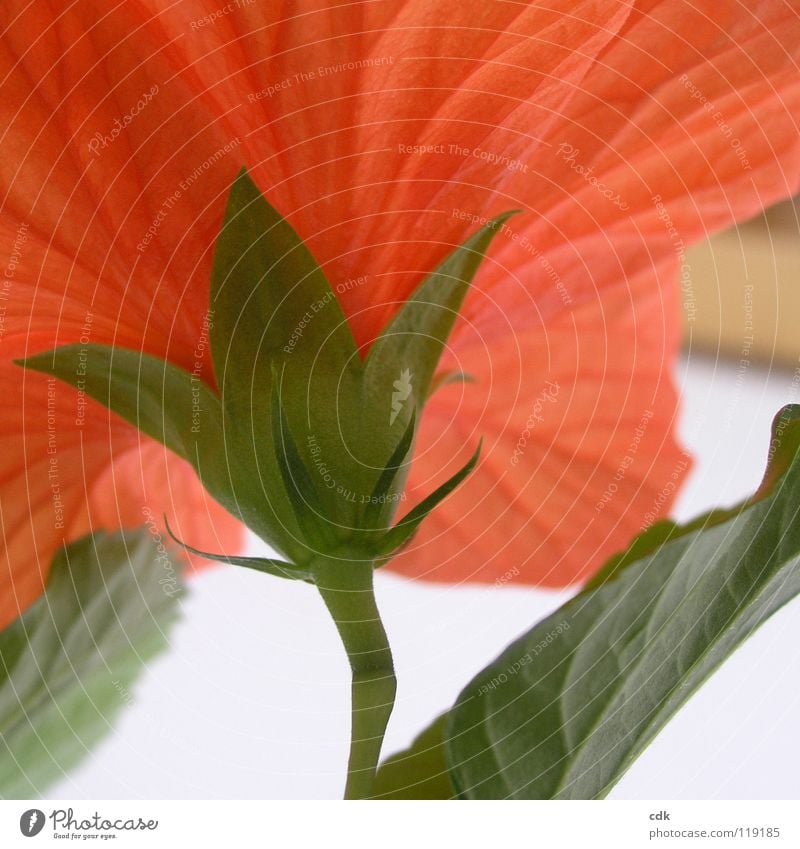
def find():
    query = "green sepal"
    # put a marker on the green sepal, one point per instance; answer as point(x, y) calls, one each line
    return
point(273, 313)
point(446, 378)
point(415, 338)
point(153, 395)
point(182, 412)
point(318, 532)
point(402, 532)
point(267, 565)
point(265, 283)
point(385, 487)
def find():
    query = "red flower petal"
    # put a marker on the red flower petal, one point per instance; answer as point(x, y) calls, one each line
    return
point(326, 104)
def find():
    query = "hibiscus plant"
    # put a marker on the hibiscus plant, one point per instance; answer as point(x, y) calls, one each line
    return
point(388, 286)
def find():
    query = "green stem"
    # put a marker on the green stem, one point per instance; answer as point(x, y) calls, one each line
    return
point(347, 591)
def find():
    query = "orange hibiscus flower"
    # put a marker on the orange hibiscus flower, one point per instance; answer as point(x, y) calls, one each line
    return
point(385, 132)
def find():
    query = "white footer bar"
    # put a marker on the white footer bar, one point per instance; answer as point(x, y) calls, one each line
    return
point(401, 825)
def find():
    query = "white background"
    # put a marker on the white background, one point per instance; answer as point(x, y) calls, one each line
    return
point(252, 699)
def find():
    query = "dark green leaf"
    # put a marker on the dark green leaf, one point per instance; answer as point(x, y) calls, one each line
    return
point(565, 710)
point(68, 663)
point(785, 438)
point(419, 772)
